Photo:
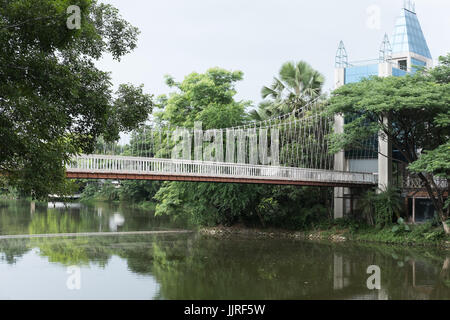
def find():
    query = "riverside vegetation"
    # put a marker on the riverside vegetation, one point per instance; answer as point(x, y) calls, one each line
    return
point(54, 59)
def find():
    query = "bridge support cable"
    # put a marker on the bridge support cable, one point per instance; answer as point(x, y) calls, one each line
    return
point(290, 147)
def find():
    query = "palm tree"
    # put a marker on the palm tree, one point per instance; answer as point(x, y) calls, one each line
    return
point(297, 84)
point(366, 205)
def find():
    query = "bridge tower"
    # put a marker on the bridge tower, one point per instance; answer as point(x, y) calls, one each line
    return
point(409, 50)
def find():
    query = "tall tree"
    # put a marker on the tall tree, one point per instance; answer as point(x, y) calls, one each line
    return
point(296, 85)
point(54, 102)
point(418, 126)
point(209, 97)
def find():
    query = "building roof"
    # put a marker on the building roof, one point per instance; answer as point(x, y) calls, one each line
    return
point(408, 35)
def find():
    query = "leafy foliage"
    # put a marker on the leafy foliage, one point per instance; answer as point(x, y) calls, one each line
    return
point(380, 209)
point(435, 161)
point(54, 102)
point(400, 227)
point(209, 98)
point(417, 114)
point(297, 84)
point(388, 205)
point(366, 205)
point(138, 191)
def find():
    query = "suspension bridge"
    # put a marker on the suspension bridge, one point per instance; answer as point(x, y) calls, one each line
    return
point(288, 150)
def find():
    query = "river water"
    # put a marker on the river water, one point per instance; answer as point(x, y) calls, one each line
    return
point(191, 266)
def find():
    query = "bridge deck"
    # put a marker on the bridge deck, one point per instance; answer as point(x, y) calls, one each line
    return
point(137, 168)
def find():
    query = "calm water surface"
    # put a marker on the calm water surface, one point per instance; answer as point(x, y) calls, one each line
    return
point(189, 266)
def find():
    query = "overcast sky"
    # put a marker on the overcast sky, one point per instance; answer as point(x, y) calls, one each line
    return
point(258, 36)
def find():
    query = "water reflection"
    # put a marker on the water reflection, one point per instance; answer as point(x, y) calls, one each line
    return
point(62, 205)
point(193, 267)
point(115, 221)
point(23, 217)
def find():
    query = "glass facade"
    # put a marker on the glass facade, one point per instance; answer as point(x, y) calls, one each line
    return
point(408, 38)
point(408, 35)
point(398, 72)
point(416, 64)
point(356, 74)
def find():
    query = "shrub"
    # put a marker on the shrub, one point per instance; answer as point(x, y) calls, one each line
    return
point(388, 205)
point(400, 227)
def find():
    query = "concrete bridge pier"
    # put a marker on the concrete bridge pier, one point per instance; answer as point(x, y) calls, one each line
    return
point(384, 161)
point(339, 158)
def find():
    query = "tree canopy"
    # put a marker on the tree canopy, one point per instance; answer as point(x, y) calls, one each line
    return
point(54, 101)
point(207, 97)
point(296, 85)
point(417, 109)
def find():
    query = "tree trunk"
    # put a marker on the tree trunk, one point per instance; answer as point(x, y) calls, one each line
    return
point(446, 227)
point(446, 265)
point(261, 220)
point(438, 200)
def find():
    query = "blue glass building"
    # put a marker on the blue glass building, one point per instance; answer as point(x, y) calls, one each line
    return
point(407, 52)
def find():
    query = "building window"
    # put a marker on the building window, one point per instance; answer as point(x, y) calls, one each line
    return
point(403, 65)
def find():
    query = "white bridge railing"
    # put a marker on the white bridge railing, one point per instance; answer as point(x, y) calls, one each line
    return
point(153, 166)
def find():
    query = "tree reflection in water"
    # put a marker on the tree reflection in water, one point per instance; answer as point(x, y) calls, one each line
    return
point(195, 267)
point(24, 217)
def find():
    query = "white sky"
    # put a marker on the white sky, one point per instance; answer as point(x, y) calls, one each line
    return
point(258, 36)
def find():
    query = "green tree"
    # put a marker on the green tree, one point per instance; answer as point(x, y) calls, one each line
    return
point(416, 107)
point(388, 204)
point(297, 84)
point(366, 206)
point(209, 98)
point(436, 163)
point(54, 102)
point(138, 191)
point(109, 191)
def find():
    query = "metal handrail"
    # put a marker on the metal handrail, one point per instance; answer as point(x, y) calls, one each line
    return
point(139, 165)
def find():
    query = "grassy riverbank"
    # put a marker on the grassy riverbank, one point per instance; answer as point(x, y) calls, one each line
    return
point(418, 235)
point(427, 234)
